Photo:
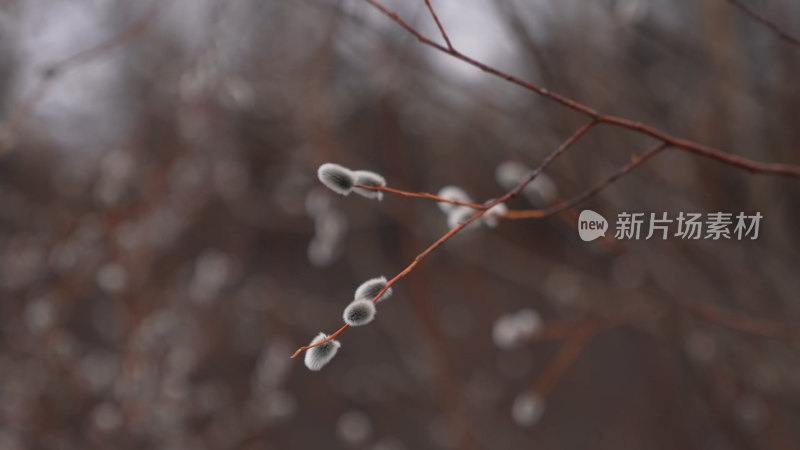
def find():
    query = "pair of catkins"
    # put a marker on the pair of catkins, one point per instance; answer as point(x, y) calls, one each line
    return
point(343, 181)
point(360, 311)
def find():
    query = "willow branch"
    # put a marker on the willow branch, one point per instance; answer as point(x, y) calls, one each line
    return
point(439, 25)
point(671, 141)
point(402, 274)
point(424, 195)
point(540, 213)
point(550, 158)
point(766, 22)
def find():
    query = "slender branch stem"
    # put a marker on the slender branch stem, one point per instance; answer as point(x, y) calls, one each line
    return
point(737, 161)
point(455, 53)
point(540, 213)
point(439, 25)
point(573, 348)
point(420, 195)
point(534, 173)
point(402, 274)
point(766, 22)
point(550, 158)
point(702, 150)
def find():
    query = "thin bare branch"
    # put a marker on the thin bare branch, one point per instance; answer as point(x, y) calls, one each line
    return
point(550, 158)
point(766, 22)
point(486, 68)
point(539, 213)
point(439, 25)
point(743, 163)
point(420, 195)
point(574, 347)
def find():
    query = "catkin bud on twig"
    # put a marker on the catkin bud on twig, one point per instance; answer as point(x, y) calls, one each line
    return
point(459, 215)
point(372, 287)
point(367, 178)
point(359, 312)
point(542, 191)
point(493, 215)
point(318, 356)
point(452, 193)
point(337, 178)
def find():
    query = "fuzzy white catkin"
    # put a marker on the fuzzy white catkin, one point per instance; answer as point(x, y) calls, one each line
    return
point(337, 178)
point(367, 178)
point(509, 174)
point(370, 288)
point(511, 329)
point(452, 193)
point(359, 312)
point(527, 409)
point(492, 216)
point(459, 215)
point(316, 358)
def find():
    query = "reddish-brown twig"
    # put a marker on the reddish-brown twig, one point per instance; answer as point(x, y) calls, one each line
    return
point(420, 195)
point(766, 22)
point(671, 141)
point(550, 158)
point(439, 25)
point(539, 213)
point(402, 274)
point(567, 214)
